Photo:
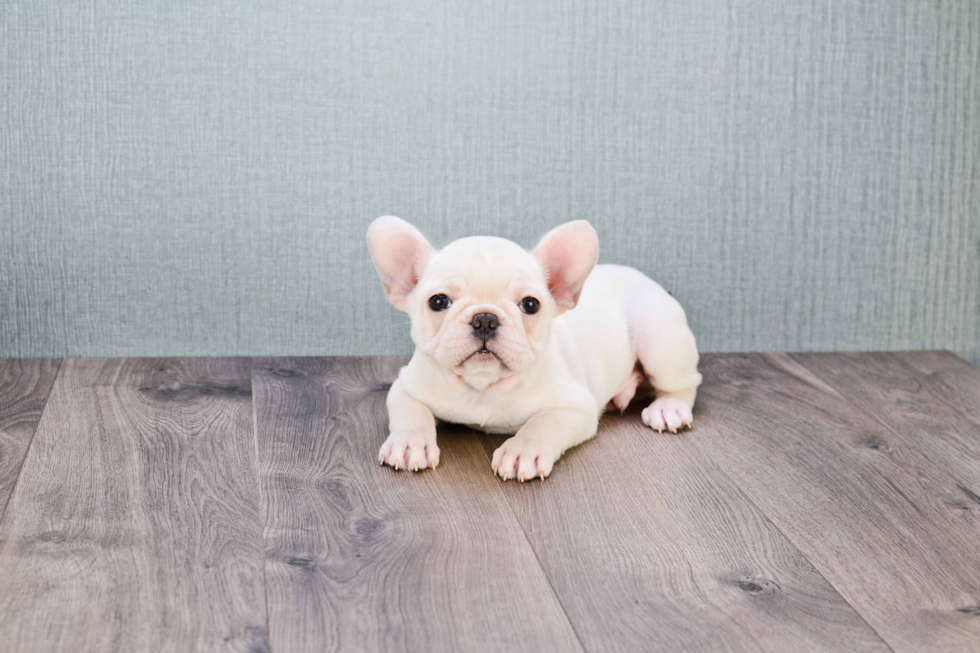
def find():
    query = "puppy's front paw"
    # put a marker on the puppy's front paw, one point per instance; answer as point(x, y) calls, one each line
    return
point(524, 459)
point(409, 450)
point(667, 413)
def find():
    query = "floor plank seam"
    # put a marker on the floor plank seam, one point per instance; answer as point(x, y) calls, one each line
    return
point(30, 443)
point(537, 558)
point(258, 484)
point(791, 543)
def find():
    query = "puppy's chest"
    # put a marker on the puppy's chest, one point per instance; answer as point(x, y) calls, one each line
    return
point(491, 414)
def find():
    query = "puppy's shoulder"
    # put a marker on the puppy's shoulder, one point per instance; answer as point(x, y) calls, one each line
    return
point(422, 379)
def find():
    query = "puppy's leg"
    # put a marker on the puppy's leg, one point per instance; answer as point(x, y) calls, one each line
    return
point(412, 443)
point(541, 441)
point(668, 353)
point(626, 392)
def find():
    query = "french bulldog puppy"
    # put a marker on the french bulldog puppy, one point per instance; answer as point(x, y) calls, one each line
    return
point(535, 344)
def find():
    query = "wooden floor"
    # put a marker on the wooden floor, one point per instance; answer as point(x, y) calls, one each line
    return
point(826, 502)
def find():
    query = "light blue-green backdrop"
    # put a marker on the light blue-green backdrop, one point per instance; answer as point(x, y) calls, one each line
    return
point(197, 177)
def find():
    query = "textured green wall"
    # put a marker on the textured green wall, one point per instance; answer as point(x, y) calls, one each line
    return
point(196, 178)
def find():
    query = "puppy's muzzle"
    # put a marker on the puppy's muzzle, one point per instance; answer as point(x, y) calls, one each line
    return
point(485, 326)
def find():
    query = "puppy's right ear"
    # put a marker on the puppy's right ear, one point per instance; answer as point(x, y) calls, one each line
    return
point(399, 252)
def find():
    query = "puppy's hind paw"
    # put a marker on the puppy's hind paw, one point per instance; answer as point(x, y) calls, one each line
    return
point(667, 414)
point(409, 450)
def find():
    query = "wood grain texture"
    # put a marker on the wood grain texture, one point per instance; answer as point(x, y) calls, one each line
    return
point(921, 411)
point(650, 547)
point(134, 525)
point(873, 515)
point(821, 503)
point(952, 379)
point(24, 388)
point(360, 557)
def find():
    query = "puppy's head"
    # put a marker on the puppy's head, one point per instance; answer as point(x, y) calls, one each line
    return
point(482, 307)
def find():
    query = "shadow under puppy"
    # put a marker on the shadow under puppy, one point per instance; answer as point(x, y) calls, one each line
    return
point(536, 344)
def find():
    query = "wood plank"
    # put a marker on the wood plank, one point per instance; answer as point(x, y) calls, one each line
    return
point(362, 558)
point(924, 413)
point(135, 523)
point(869, 512)
point(651, 547)
point(953, 380)
point(24, 387)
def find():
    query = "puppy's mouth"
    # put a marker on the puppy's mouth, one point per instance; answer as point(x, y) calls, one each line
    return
point(482, 353)
point(485, 355)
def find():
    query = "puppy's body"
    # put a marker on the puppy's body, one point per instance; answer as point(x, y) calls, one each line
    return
point(546, 376)
point(591, 356)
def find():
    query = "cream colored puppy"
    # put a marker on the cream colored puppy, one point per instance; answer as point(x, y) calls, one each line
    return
point(499, 347)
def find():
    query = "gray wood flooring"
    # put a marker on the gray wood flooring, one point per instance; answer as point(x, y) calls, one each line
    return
point(822, 502)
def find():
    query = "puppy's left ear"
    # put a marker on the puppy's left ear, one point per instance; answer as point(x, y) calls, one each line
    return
point(567, 255)
point(399, 252)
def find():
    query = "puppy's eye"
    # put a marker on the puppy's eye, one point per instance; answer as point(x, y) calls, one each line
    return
point(530, 305)
point(439, 303)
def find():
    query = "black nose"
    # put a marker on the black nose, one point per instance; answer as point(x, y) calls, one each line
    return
point(485, 325)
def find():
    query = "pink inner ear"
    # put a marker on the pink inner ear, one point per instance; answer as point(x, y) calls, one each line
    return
point(399, 252)
point(567, 255)
point(398, 265)
point(563, 283)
